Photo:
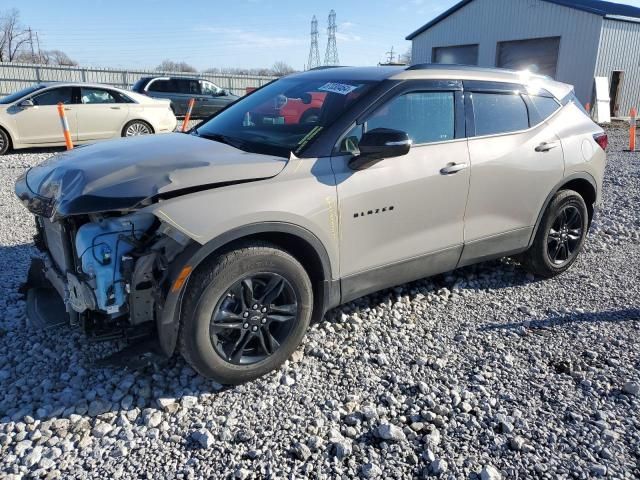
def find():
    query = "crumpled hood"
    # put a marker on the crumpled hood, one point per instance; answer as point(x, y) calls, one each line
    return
point(120, 174)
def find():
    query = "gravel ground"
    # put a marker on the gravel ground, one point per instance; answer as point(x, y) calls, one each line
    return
point(485, 372)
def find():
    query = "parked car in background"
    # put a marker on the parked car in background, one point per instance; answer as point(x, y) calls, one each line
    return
point(29, 117)
point(209, 98)
point(225, 242)
point(306, 109)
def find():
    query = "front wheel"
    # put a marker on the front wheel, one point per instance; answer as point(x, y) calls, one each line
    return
point(245, 313)
point(560, 236)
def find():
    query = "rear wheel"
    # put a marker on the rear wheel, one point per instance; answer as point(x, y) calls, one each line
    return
point(136, 128)
point(245, 313)
point(5, 142)
point(560, 236)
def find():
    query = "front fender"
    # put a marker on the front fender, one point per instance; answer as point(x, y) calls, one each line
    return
point(168, 318)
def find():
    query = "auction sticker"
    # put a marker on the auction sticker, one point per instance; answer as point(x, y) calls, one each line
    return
point(340, 88)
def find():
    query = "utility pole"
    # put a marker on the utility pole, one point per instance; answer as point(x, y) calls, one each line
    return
point(39, 52)
point(331, 55)
point(314, 54)
point(33, 53)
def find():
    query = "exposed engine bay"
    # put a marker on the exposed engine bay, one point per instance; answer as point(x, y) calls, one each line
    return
point(110, 271)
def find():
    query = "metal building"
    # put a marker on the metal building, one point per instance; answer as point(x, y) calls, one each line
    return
point(572, 41)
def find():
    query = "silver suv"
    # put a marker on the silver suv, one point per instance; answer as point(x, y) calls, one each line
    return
point(226, 242)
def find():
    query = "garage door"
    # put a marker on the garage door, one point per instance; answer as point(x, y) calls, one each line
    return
point(539, 55)
point(460, 55)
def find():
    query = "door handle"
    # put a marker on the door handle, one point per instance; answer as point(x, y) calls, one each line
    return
point(452, 168)
point(114, 108)
point(546, 146)
point(67, 109)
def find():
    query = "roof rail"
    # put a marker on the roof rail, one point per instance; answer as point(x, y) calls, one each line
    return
point(325, 67)
point(454, 66)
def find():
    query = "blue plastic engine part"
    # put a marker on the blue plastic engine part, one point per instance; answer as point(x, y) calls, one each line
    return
point(102, 245)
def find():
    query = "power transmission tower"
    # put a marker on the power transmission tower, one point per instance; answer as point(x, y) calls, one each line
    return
point(314, 54)
point(391, 56)
point(331, 55)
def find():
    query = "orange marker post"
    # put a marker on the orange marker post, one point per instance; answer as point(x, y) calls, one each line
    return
point(65, 126)
point(185, 122)
point(632, 130)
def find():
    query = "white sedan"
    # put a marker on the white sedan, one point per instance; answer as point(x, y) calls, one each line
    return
point(29, 118)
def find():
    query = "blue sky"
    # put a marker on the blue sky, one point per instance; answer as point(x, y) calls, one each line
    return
point(230, 33)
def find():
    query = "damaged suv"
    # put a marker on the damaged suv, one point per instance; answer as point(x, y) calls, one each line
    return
point(226, 242)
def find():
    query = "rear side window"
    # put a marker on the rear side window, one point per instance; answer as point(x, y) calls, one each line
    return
point(96, 95)
point(187, 86)
point(427, 117)
point(54, 96)
point(162, 86)
point(546, 106)
point(496, 113)
point(571, 98)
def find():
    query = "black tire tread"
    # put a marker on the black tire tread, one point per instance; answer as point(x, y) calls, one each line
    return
point(208, 271)
point(534, 258)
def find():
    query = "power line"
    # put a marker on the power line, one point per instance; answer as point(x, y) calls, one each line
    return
point(314, 54)
point(331, 55)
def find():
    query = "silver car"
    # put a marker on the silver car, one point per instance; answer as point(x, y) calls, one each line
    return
point(225, 243)
point(29, 117)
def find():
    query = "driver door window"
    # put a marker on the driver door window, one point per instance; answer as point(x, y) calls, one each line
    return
point(427, 117)
point(54, 96)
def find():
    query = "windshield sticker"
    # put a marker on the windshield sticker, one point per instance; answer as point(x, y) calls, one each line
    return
point(340, 88)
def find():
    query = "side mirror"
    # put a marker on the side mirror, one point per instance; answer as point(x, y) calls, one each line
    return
point(378, 144)
point(222, 93)
point(26, 103)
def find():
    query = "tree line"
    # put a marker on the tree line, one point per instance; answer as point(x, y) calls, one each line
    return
point(19, 43)
point(278, 69)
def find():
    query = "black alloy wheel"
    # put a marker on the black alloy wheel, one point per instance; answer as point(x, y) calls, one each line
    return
point(245, 311)
point(565, 235)
point(253, 318)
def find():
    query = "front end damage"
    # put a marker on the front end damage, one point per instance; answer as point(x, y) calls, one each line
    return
point(117, 269)
point(111, 274)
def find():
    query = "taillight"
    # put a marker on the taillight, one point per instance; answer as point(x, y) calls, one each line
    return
point(602, 139)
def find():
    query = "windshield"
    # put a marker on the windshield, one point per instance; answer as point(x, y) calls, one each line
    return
point(20, 93)
point(283, 117)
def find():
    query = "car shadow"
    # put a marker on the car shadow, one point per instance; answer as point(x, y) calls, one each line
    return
point(609, 316)
point(36, 150)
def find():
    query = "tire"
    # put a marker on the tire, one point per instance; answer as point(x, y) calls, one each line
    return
point(216, 291)
point(555, 248)
point(139, 126)
point(311, 116)
point(5, 142)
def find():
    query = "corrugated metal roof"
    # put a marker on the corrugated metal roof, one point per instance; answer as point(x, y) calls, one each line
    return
point(597, 7)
